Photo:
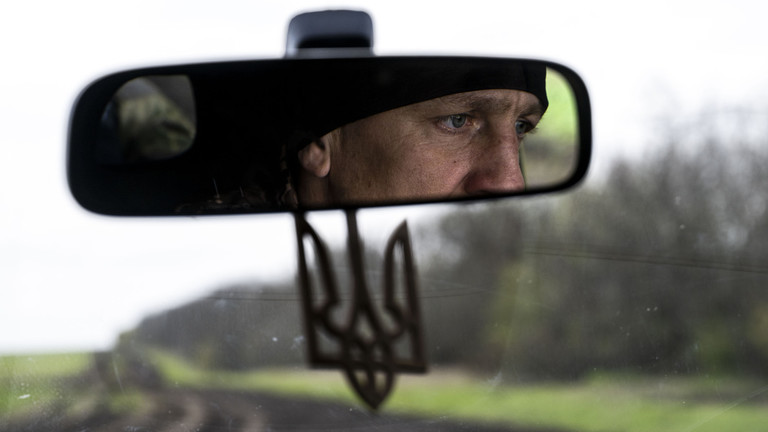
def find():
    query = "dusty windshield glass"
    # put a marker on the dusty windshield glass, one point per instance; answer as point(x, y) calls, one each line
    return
point(636, 302)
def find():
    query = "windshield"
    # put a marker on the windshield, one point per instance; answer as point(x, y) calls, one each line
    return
point(634, 302)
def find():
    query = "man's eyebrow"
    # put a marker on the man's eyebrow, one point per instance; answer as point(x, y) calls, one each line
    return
point(486, 103)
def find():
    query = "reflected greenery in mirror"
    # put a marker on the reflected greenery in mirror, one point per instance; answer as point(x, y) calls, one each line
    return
point(550, 154)
point(149, 118)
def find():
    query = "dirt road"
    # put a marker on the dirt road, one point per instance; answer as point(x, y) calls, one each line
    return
point(209, 411)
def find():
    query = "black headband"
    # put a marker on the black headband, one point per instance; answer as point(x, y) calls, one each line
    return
point(288, 102)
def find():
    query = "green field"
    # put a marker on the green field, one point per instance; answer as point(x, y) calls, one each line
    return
point(601, 403)
point(609, 402)
point(30, 382)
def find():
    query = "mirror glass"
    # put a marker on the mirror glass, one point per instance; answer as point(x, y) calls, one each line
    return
point(315, 134)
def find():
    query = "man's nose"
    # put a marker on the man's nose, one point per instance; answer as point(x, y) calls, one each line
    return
point(496, 164)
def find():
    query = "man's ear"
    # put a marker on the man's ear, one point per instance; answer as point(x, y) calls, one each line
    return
point(315, 158)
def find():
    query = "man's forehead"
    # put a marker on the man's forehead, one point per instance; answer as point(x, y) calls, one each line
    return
point(501, 100)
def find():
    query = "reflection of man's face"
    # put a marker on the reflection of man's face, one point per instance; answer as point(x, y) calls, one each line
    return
point(457, 145)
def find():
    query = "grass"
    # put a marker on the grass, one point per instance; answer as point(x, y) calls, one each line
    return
point(41, 366)
point(30, 382)
point(56, 386)
point(609, 402)
point(591, 405)
point(322, 384)
point(601, 403)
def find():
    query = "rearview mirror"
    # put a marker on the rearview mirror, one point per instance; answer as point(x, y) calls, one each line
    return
point(292, 134)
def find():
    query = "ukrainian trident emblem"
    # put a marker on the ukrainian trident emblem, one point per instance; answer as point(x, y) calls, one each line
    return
point(370, 336)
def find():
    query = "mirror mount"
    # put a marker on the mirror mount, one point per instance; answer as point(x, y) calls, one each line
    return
point(328, 34)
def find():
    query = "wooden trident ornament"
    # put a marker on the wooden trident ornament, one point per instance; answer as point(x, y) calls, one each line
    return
point(371, 337)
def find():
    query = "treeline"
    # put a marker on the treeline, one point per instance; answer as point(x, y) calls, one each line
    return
point(238, 327)
point(661, 268)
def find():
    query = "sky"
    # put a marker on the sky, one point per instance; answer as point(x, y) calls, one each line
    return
point(73, 280)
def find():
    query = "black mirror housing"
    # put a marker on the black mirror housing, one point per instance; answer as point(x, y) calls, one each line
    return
point(219, 138)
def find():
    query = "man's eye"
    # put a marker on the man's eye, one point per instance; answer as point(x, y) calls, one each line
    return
point(455, 121)
point(522, 127)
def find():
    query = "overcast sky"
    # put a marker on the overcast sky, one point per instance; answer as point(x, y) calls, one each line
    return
point(73, 280)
